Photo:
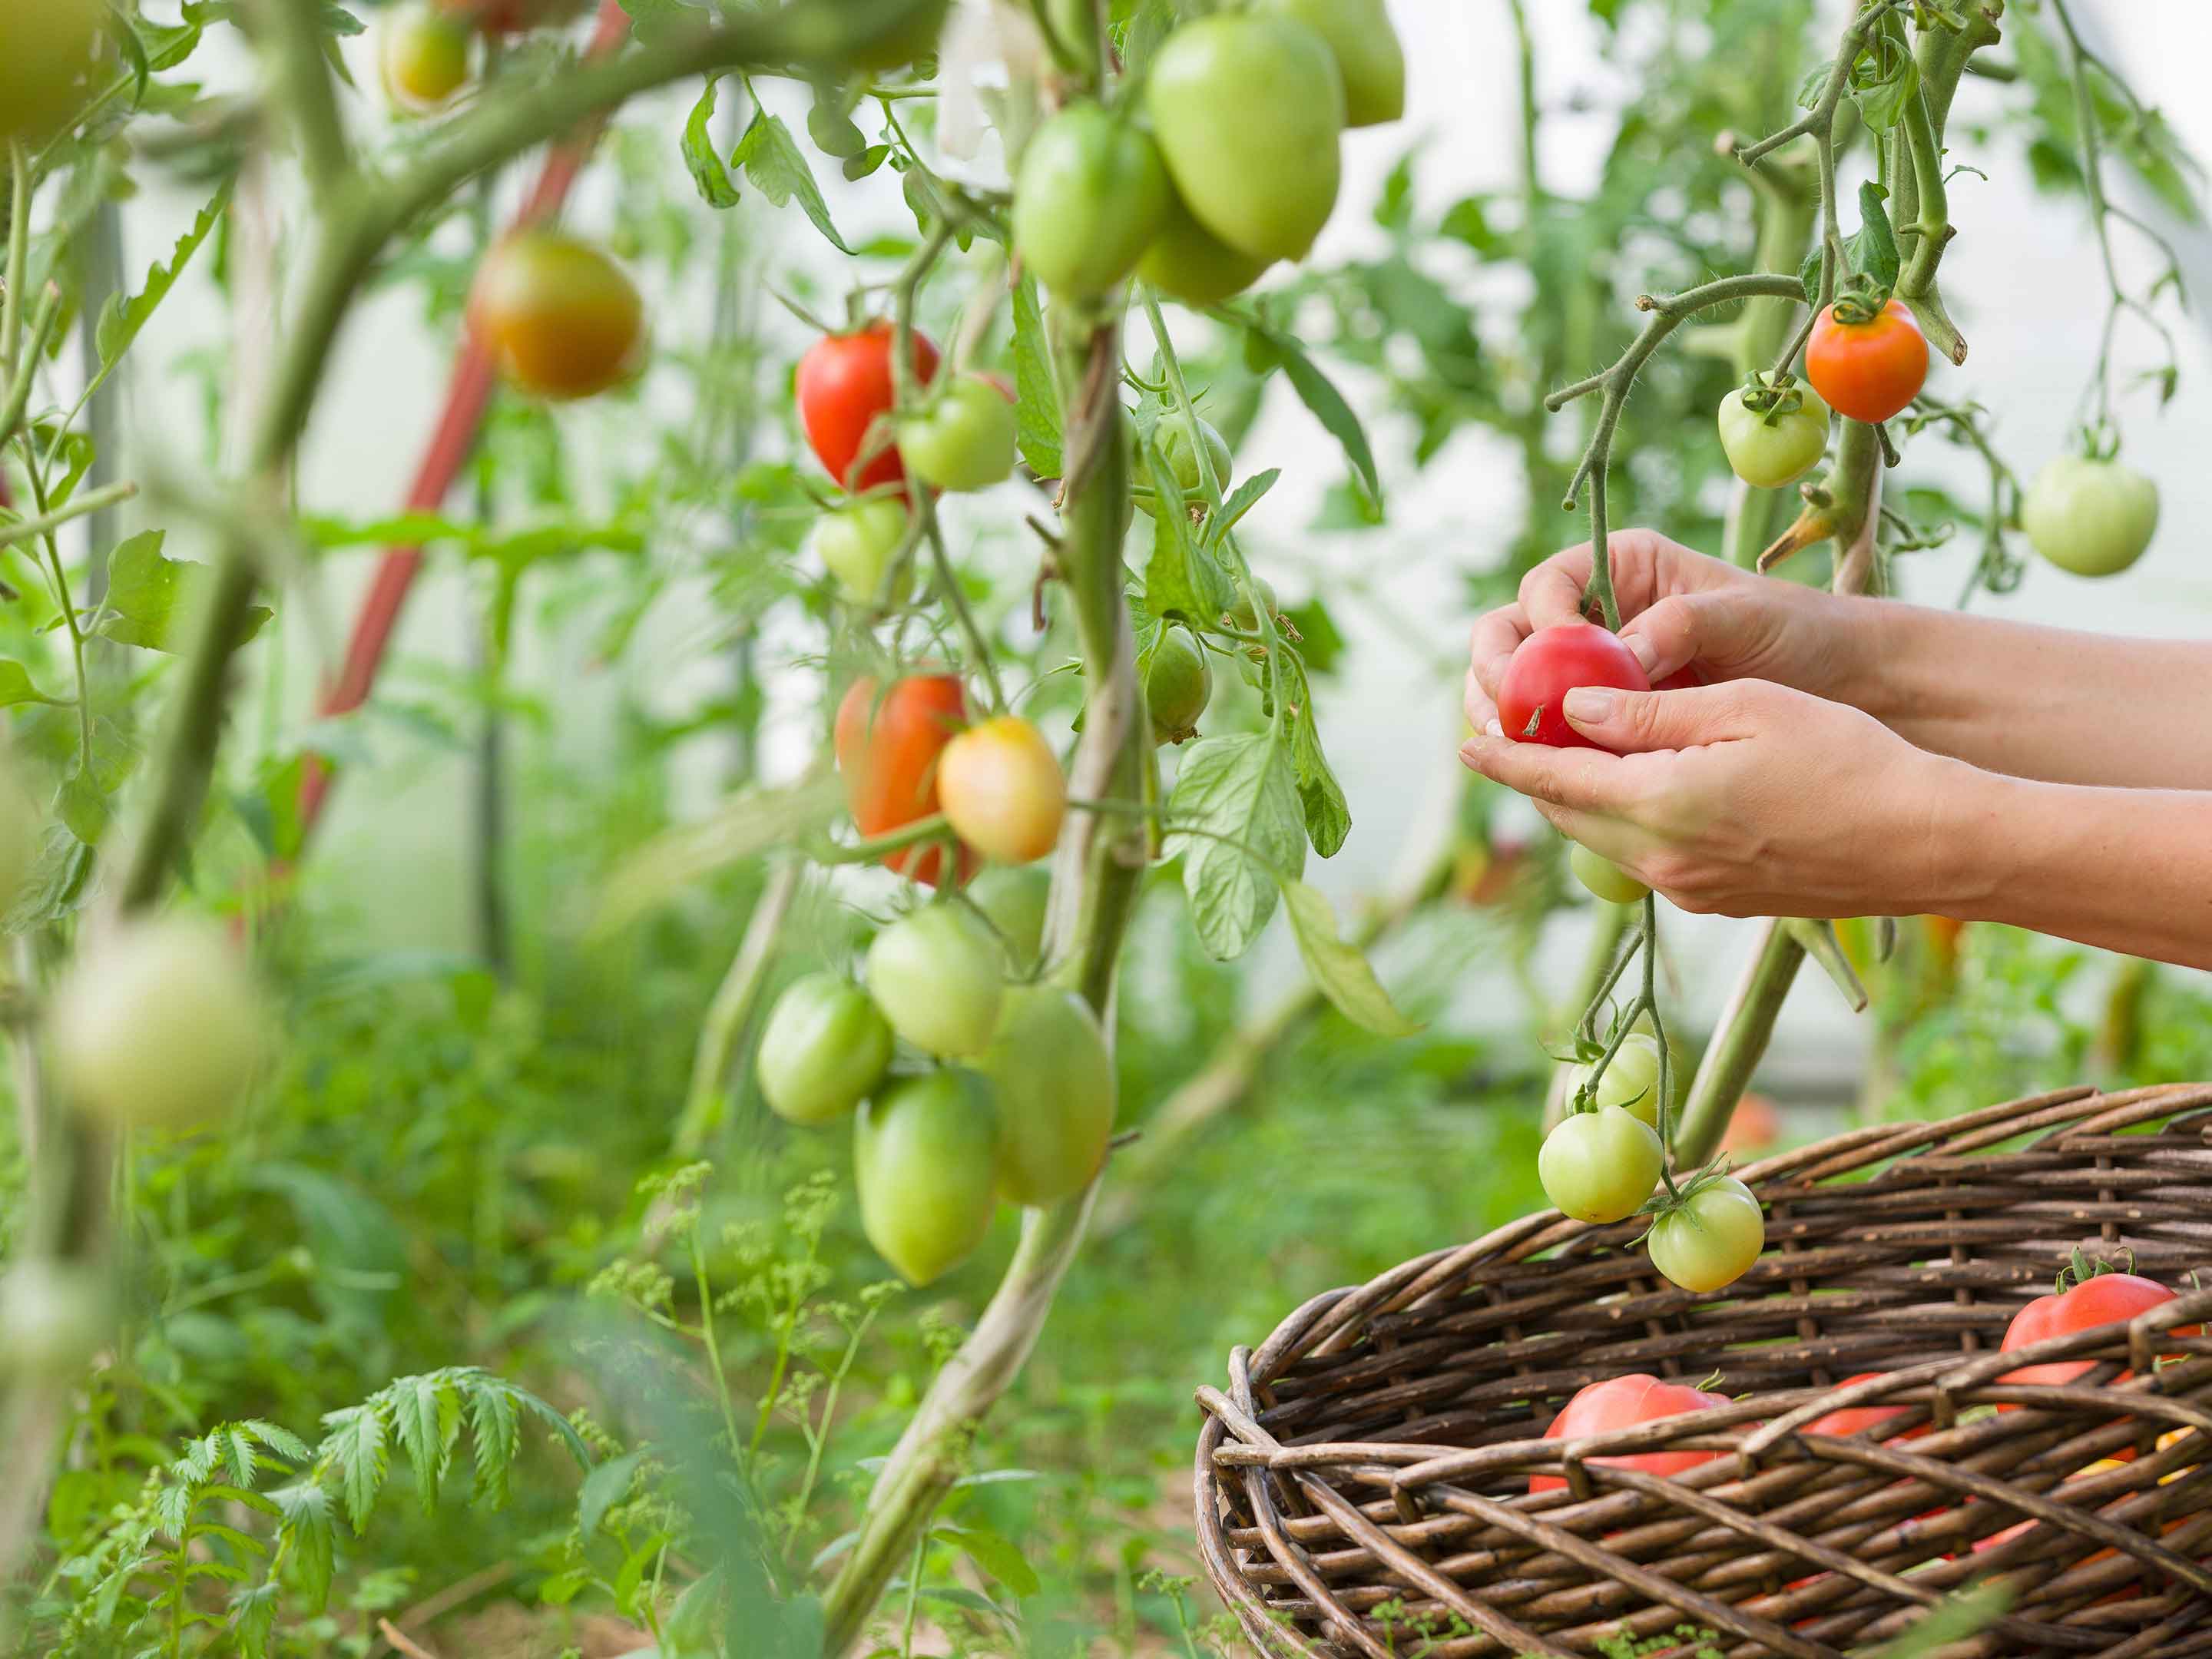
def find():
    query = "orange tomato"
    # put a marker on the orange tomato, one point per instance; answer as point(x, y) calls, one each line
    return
point(1867, 370)
point(556, 315)
point(1002, 790)
point(888, 752)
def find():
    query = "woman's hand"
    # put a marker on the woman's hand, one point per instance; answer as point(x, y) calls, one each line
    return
point(1678, 607)
point(1751, 799)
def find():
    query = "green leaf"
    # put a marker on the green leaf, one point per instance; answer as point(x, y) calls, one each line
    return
point(1328, 817)
point(122, 317)
point(998, 1556)
point(1036, 405)
point(605, 1487)
point(1236, 813)
point(498, 1436)
point(716, 188)
point(771, 158)
point(1180, 581)
point(1342, 971)
point(149, 597)
point(1885, 84)
point(354, 1446)
point(415, 1412)
point(1319, 394)
point(16, 687)
point(282, 1441)
point(1874, 250)
point(829, 123)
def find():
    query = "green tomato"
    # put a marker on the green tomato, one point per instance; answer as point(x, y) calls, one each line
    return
point(57, 1315)
point(160, 1022)
point(964, 438)
point(825, 1048)
point(49, 50)
point(1604, 877)
point(1091, 195)
point(1769, 448)
point(856, 544)
point(1367, 53)
point(1190, 263)
point(1054, 1084)
point(1178, 684)
point(423, 56)
point(1600, 1166)
point(1712, 1240)
point(1632, 1081)
point(1182, 460)
point(2092, 518)
point(1244, 618)
point(1248, 111)
point(924, 1164)
point(938, 976)
point(1018, 901)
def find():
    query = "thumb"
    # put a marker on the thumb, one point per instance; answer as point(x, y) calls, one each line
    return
point(1684, 628)
point(1628, 722)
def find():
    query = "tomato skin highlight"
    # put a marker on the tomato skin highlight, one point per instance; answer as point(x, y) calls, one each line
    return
point(1091, 195)
point(1867, 371)
point(1767, 450)
point(1368, 54)
point(965, 439)
point(924, 1154)
point(1631, 1082)
point(1248, 111)
point(1178, 685)
point(1604, 878)
point(843, 384)
point(1622, 1402)
point(938, 976)
point(1600, 1166)
point(557, 316)
point(48, 52)
point(1054, 1081)
point(888, 753)
point(1003, 790)
point(825, 1048)
point(856, 544)
point(1552, 662)
point(1712, 1241)
point(2091, 518)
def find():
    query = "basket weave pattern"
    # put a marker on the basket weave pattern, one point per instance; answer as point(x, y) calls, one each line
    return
point(1363, 1485)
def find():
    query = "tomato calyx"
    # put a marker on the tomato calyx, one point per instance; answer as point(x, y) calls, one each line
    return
point(2080, 1267)
point(1860, 301)
point(1675, 1191)
point(1773, 396)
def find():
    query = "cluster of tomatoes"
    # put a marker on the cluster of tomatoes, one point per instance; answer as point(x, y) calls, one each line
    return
point(2088, 1296)
point(2088, 514)
point(1234, 165)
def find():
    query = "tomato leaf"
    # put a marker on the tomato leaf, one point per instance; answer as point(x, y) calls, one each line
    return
point(771, 158)
point(1328, 818)
point(1874, 250)
point(716, 188)
point(998, 1556)
point(1319, 394)
point(605, 1487)
point(1237, 800)
point(121, 318)
point(149, 596)
point(1037, 406)
point(1884, 83)
point(15, 686)
point(1340, 970)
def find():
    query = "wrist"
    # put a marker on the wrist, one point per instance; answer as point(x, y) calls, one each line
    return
point(1974, 840)
point(1872, 653)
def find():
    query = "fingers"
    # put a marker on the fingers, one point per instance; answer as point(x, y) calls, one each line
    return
point(1552, 594)
point(1581, 779)
point(1680, 630)
point(1497, 635)
point(1633, 722)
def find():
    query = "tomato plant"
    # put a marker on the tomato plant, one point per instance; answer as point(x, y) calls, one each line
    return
point(1091, 195)
point(1711, 1238)
point(558, 317)
point(1772, 433)
point(1603, 878)
point(1178, 685)
point(2092, 518)
point(924, 1165)
point(1002, 790)
point(1054, 1086)
point(963, 438)
point(825, 1049)
point(162, 1024)
point(422, 55)
point(888, 744)
point(1248, 111)
point(857, 544)
point(1631, 1079)
point(46, 71)
point(938, 976)
point(1600, 1165)
point(1868, 365)
point(845, 389)
point(1550, 663)
point(1622, 1402)
point(1365, 46)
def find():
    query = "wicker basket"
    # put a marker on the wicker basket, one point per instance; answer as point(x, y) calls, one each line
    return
point(1363, 1487)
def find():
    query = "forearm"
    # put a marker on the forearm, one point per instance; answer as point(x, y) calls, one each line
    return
point(2036, 702)
point(2129, 870)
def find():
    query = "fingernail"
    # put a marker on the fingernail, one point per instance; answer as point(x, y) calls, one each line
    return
point(1589, 705)
point(1494, 729)
point(1640, 648)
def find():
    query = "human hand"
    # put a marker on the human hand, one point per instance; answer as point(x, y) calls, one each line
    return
point(1679, 607)
point(1751, 799)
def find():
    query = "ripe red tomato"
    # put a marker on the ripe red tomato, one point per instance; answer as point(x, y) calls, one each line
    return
point(1002, 790)
point(1550, 663)
point(2102, 1299)
point(844, 383)
point(1852, 1420)
point(558, 317)
point(1867, 370)
point(1621, 1403)
point(887, 752)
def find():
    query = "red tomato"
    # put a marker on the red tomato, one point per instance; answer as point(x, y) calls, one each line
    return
point(844, 383)
point(1753, 1127)
point(1851, 1419)
point(887, 751)
point(1683, 678)
point(1621, 1403)
point(1868, 370)
point(1550, 663)
point(2103, 1299)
